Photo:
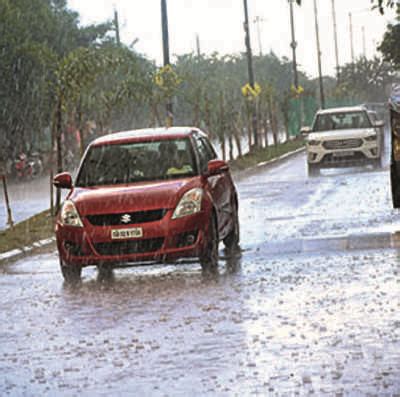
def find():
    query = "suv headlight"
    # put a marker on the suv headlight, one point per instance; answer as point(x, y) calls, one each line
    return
point(313, 142)
point(371, 138)
point(189, 204)
point(69, 215)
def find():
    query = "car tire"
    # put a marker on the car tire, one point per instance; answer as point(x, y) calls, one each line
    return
point(209, 256)
point(313, 169)
point(231, 241)
point(105, 273)
point(377, 163)
point(71, 273)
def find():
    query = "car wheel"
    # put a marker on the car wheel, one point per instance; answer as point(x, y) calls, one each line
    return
point(231, 241)
point(105, 273)
point(313, 169)
point(377, 163)
point(71, 273)
point(209, 256)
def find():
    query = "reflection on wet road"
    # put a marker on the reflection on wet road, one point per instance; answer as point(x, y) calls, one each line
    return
point(310, 306)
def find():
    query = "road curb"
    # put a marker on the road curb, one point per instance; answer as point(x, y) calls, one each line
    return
point(244, 173)
point(20, 252)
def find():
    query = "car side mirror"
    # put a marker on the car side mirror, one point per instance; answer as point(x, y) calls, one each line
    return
point(63, 181)
point(379, 123)
point(215, 167)
point(304, 131)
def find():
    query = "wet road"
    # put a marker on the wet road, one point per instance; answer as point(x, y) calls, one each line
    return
point(310, 307)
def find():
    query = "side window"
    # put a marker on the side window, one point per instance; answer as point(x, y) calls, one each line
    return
point(210, 149)
point(206, 153)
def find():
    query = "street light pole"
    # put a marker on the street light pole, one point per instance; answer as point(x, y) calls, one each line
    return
point(351, 37)
point(321, 82)
point(250, 71)
point(165, 38)
point(116, 26)
point(257, 21)
point(293, 44)
point(335, 38)
point(363, 41)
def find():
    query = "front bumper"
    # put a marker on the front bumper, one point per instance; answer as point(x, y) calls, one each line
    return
point(366, 152)
point(166, 240)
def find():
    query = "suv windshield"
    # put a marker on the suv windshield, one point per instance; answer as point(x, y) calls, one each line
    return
point(341, 121)
point(112, 164)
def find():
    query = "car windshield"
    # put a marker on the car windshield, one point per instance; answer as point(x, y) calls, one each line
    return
point(112, 164)
point(341, 121)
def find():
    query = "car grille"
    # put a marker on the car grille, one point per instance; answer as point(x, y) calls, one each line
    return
point(129, 247)
point(342, 144)
point(352, 160)
point(126, 218)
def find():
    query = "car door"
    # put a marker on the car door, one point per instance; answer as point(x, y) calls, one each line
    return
point(220, 186)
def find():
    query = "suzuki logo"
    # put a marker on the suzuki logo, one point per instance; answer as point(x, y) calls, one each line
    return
point(126, 218)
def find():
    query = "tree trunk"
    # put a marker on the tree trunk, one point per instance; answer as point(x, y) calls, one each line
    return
point(265, 128)
point(237, 134)
point(58, 126)
point(272, 119)
point(230, 142)
point(221, 132)
point(249, 125)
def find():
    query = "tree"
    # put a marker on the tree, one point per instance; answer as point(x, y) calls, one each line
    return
point(390, 44)
point(379, 4)
point(365, 80)
point(33, 35)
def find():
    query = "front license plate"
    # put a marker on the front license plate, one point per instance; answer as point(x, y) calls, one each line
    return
point(343, 154)
point(134, 232)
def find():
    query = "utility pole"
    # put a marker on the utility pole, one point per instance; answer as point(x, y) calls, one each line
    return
point(250, 71)
point(257, 21)
point(335, 39)
point(293, 44)
point(363, 42)
point(321, 82)
point(351, 37)
point(116, 26)
point(198, 45)
point(165, 38)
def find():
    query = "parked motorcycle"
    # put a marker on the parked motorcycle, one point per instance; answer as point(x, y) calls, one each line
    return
point(25, 167)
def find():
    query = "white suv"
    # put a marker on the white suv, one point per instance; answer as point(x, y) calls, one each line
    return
point(343, 137)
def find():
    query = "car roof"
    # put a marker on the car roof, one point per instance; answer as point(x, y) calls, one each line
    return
point(146, 134)
point(344, 109)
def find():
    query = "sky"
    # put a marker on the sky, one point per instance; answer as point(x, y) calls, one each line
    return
point(219, 25)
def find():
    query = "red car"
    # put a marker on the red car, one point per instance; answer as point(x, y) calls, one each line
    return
point(146, 196)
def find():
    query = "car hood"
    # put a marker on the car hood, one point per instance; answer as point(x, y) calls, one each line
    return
point(340, 134)
point(130, 198)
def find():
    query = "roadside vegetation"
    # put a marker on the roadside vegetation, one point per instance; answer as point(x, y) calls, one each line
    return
point(66, 83)
point(25, 233)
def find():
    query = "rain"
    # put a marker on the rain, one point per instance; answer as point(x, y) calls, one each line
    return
point(210, 257)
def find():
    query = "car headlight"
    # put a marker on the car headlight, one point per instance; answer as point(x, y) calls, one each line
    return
point(371, 138)
point(189, 204)
point(69, 215)
point(313, 142)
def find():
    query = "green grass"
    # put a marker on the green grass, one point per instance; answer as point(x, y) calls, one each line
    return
point(252, 159)
point(41, 226)
point(38, 227)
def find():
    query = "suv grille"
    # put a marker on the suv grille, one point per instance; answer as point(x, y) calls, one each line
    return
point(342, 144)
point(126, 218)
point(129, 247)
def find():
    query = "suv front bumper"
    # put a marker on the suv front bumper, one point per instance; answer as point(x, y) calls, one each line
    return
point(324, 155)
